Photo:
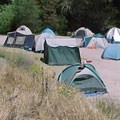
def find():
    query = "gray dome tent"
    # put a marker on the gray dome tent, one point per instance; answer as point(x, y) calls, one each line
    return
point(84, 78)
point(24, 30)
point(83, 32)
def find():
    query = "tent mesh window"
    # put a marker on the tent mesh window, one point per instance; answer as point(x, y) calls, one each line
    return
point(20, 40)
point(10, 40)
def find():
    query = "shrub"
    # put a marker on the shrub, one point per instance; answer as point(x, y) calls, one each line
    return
point(27, 13)
point(16, 59)
point(6, 18)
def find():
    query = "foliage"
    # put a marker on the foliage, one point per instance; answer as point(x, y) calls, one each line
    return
point(69, 33)
point(96, 15)
point(64, 6)
point(59, 15)
point(34, 68)
point(5, 1)
point(51, 17)
point(16, 59)
point(6, 18)
point(27, 13)
point(2, 54)
point(25, 97)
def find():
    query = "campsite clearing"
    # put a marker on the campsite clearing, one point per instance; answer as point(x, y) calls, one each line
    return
point(109, 70)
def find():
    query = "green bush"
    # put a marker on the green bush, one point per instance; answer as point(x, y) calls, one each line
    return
point(27, 13)
point(52, 17)
point(2, 55)
point(6, 18)
point(16, 59)
point(69, 33)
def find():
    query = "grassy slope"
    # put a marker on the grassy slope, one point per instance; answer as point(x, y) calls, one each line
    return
point(29, 91)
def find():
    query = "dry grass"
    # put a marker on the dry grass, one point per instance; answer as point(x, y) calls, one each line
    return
point(109, 107)
point(28, 91)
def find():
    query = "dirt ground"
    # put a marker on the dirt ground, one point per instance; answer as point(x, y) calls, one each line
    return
point(109, 70)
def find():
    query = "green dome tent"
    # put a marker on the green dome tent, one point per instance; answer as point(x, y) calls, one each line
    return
point(84, 78)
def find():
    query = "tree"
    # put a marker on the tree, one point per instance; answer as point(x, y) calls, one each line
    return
point(65, 6)
point(27, 13)
point(5, 1)
point(51, 17)
point(6, 18)
point(116, 4)
point(94, 14)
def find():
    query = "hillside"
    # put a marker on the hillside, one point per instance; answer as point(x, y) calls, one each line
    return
point(30, 91)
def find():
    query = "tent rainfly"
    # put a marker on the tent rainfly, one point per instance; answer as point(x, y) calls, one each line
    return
point(40, 40)
point(84, 77)
point(60, 51)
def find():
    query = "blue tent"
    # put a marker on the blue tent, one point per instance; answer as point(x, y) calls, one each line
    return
point(111, 52)
point(48, 30)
